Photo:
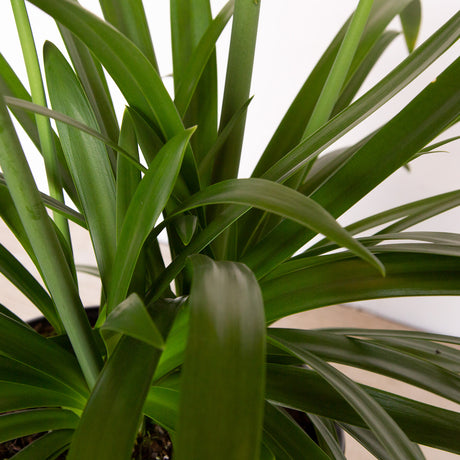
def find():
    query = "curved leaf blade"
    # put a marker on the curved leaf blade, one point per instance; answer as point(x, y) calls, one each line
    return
point(47, 446)
point(119, 396)
point(281, 200)
point(23, 423)
point(128, 66)
point(302, 285)
point(224, 364)
point(304, 390)
point(87, 158)
point(381, 424)
point(411, 17)
point(131, 318)
point(148, 202)
point(285, 438)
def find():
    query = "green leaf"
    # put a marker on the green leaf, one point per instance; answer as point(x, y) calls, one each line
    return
point(224, 365)
point(291, 128)
point(148, 139)
point(130, 69)
point(162, 406)
point(339, 69)
point(408, 214)
point(419, 122)
point(11, 86)
point(195, 65)
point(86, 157)
point(14, 271)
point(411, 17)
point(193, 36)
point(237, 85)
point(185, 226)
point(395, 333)
point(146, 206)
point(304, 390)
point(47, 446)
point(281, 200)
point(442, 242)
point(119, 396)
point(390, 85)
point(131, 318)
point(285, 438)
point(93, 80)
point(326, 430)
point(128, 16)
point(23, 423)
point(381, 424)
point(354, 84)
point(301, 285)
point(207, 161)
point(24, 345)
point(368, 440)
point(45, 133)
point(14, 102)
point(47, 248)
point(376, 357)
point(19, 396)
point(128, 177)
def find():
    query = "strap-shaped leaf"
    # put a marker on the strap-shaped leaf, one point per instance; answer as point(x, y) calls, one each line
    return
point(23, 423)
point(128, 16)
point(55, 205)
point(411, 17)
point(119, 396)
point(148, 202)
point(237, 85)
point(361, 73)
point(87, 158)
point(29, 106)
point(24, 345)
point(349, 279)
point(37, 90)
point(193, 36)
point(11, 86)
point(339, 69)
point(13, 270)
point(381, 424)
point(409, 214)
point(367, 439)
point(304, 390)
point(397, 79)
point(423, 118)
point(326, 430)
point(18, 396)
point(94, 82)
point(285, 438)
point(373, 357)
point(281, 200)
point(291, 128)
point(46, 247)
point(223, 371)
point(131, 318)
point(48, 446)
point(128, 66)
point(196, 64)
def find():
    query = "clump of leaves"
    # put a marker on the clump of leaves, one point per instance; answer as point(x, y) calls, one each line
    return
point(186, 344)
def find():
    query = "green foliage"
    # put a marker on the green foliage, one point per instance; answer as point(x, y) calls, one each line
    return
point(186, 343)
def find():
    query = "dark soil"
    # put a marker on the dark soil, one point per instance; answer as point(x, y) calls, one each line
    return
point(154, 444)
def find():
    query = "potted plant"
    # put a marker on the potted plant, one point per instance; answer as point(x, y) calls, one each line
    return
point(186, 345)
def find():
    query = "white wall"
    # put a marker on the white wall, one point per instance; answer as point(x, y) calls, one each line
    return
point(292, 36)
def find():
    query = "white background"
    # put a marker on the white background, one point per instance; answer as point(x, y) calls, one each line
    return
point(292, 36)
